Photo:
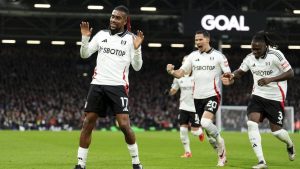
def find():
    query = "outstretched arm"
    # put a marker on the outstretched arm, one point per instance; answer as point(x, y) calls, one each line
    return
point(228, 78)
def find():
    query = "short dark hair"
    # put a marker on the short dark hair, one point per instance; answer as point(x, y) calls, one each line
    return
point(123, 9)
point(263, 36)
point(204, 32)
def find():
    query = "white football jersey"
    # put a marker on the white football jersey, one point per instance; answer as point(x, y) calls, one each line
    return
point(271, 65)
point(185, 85)
point(115, 54)
point(206, 69)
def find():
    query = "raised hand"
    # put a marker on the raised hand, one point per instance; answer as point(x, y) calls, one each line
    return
point(170, 68)
point(138, 39)
point(85, 29)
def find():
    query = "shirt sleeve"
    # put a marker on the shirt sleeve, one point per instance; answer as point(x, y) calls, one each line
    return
point(175, 84)
point(244, 66)
point(136, 57)
point(136, 60)
point(88, 48)
point(281, 62)
point(224, 64)
point(187, 65)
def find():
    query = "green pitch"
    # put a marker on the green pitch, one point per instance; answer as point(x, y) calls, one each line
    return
point(158, 150)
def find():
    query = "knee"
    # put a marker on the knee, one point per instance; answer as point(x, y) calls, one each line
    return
point(205, 122)
point(88, 122)
point(252, 125)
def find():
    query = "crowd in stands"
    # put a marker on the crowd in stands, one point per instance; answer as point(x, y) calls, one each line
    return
point(44, 87)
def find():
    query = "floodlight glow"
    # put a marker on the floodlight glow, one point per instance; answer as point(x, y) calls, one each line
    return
point(151, 9)
point(42, 5)
point(57, 42)
point(246, 46)
point(154, 45)
point(95, 7)
point(294, 47)
point(227, 46)
point(11, 41)
point(33, 42)
point(78, 43)
point(177, 45)
point(296, 11)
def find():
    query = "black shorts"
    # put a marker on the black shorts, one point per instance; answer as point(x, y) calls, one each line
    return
point(186, 117)
point(271, 109)
point(210, 104)
point(102, 98)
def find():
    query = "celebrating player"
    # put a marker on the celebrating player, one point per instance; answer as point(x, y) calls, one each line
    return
point(187, 112)
point(206, 65)
point(270, 71)
point(117, 49)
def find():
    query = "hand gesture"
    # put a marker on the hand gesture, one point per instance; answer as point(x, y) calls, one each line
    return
point(170, 68)
point(138, 39)
point(85, 29)
point(227, 79)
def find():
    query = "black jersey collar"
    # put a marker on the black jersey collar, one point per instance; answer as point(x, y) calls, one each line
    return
point(209, 51)
point(121, 34)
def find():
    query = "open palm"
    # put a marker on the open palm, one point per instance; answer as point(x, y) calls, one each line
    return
point(137, 41)
point(85, 29)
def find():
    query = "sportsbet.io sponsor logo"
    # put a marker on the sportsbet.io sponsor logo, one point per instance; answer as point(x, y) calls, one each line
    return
point(223, 23)
point(116, 52)
point(263, 73)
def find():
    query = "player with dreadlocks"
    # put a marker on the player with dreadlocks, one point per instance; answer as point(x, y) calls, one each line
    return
point(270, 71)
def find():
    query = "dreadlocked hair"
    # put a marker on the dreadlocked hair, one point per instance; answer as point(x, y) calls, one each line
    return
point(263, 36)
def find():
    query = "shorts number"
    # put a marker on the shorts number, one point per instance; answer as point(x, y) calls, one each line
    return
point(280, 117)
point(197, 120)
point(124, 103)
point(212, 105)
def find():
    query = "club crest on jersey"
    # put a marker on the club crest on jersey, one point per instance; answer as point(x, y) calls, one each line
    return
point(105, 40)
point(123, 42)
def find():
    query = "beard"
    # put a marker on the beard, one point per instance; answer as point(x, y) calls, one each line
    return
point(114, 31)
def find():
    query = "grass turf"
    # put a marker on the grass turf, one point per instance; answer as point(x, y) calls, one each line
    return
point(158, 150)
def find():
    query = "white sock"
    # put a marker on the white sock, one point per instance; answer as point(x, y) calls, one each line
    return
point(134, 153)
point(255, 140)
point(211, 129)
point(185, 139)
point(197, 132)
point(283, 136)
point(82, 156)
point(213, 142)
